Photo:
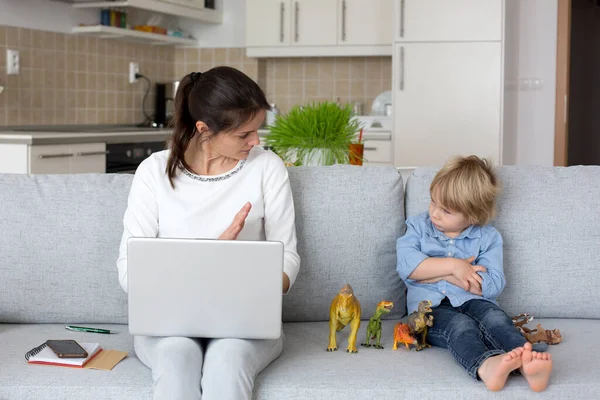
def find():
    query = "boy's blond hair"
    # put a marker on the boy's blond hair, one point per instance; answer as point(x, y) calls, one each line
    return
point(469, 186)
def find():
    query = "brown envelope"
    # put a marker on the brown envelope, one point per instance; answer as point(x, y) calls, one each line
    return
point(106, 360)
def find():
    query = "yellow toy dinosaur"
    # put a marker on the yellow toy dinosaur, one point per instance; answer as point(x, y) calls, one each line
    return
point(345, 309)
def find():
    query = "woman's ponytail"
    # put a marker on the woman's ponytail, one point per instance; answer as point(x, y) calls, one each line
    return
point(184, 127)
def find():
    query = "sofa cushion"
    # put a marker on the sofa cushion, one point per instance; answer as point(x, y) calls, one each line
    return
point(549, 220)
point(347, 219)
point(130, 379)
point(306, 371)
point(59, 242)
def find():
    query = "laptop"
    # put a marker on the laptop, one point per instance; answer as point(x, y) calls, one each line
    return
point(205, 288)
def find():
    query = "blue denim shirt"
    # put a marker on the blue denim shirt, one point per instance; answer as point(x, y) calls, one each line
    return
point(422, 240)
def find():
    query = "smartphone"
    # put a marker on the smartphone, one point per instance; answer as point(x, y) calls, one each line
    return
point(67, 348)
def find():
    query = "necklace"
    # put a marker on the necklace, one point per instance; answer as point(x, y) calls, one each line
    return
point(217, 178)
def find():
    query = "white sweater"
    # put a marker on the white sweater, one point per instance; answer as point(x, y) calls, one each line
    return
point(197, 208)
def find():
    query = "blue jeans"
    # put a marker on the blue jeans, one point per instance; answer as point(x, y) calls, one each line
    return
point(472, 332)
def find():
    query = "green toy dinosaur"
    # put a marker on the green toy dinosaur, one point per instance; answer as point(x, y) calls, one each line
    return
point(374, 325)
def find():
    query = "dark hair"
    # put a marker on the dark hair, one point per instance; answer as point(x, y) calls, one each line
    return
point(222, 97)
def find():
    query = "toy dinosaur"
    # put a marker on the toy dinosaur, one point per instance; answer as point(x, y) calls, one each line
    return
point(402, 335)
point(418, 321)
point(374, 326)
point(417, 324)
point(345, 309)
point(536, 335)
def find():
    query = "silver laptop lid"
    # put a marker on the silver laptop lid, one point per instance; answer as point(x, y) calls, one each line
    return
point(205, 288)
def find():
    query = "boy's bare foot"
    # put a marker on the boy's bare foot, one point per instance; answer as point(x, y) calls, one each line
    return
point(536, 368)
point(495, 370)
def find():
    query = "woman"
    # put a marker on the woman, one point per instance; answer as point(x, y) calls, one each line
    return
point(212, 183)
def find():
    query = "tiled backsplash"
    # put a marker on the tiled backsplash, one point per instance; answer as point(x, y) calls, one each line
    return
point(70, 79)
point(291, 81)
point(200, 60)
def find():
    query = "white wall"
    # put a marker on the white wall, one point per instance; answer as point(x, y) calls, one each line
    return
point(44, 15)
point(530, 82)
point(230, 33)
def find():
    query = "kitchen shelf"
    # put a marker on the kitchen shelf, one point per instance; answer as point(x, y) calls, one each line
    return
point(201, 14)
point(111, 32)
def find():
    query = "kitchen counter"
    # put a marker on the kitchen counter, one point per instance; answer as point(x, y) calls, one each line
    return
point(70, 134)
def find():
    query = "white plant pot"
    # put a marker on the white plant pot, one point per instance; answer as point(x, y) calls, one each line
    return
point(315, 158)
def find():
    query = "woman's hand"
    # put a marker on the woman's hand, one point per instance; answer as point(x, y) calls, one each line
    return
point(237, 225)
point(286, 283)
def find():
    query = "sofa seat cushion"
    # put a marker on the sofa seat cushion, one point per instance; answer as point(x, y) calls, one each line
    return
point(306, 371)
point(129, 379)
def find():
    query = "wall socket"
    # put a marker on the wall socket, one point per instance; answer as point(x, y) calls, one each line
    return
point(134, 68)
point(12, 62)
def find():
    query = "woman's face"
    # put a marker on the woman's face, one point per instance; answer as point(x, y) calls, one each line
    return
point(238, 143)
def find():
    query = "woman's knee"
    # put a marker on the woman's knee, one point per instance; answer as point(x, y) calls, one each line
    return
point(231, 354)
point(239, 356)
point(171, 353)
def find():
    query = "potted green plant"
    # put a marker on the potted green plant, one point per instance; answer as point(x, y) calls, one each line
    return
point(319, 133)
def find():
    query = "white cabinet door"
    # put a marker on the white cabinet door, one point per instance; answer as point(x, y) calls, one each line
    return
point(448, 20)
point(447, 101)
point(377, 152)
point(50, 159)
point(88, 158)
point(365, 22)
point(314, 23)
point(67, 158)
point(268, 23)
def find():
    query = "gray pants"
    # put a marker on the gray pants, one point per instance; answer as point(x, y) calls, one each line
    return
point(224, 369)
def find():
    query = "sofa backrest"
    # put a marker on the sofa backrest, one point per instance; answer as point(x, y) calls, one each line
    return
point(60, 234)
point(59, 240)
point(549, 219)
point(348, 219)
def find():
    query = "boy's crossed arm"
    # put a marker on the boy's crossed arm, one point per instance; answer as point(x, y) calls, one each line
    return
point(418, 266)
point(456, 271)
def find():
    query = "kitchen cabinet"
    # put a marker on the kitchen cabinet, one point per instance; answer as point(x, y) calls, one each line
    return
point(365, 23)
point(67, 158)
point(268, 23)
point(53, 159)
point(377, 152)
point(306, 28)
point(290, 23)
point(443, 20)
point(447, 101)
point(447, 83)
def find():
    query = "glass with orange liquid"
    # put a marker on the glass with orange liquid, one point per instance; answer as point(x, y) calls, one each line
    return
point(356, 153)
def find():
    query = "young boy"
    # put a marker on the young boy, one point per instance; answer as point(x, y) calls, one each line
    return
point(452, 257)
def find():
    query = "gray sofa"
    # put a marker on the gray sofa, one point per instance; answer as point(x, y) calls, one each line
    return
point(59, 239)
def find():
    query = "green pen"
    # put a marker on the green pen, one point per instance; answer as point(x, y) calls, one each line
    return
point(85, 329)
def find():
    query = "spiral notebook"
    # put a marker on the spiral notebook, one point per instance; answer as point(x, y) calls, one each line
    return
point(44, 355)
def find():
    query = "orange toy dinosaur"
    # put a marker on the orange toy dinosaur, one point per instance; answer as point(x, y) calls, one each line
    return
point(345, 309)
point(402, 335)
point(416, 325)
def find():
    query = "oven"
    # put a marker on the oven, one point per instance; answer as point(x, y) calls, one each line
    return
point(124, 158)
